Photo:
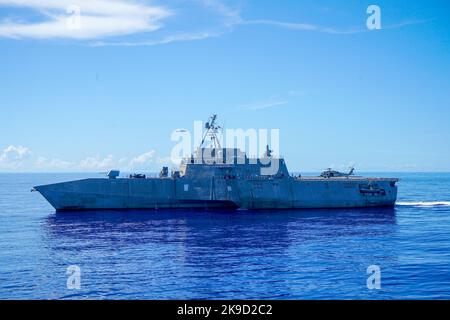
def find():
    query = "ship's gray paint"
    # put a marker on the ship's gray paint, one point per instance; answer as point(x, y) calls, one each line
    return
point(222, 184)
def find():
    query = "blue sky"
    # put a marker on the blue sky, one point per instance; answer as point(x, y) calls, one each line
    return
point(109, 94)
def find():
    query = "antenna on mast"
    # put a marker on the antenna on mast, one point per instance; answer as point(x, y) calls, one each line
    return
point(212, 129)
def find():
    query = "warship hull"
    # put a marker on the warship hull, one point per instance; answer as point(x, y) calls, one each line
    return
point(220, 193)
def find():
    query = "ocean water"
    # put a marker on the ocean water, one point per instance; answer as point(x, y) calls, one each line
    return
point(304, 254)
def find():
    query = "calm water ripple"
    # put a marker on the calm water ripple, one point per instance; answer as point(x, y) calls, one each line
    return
point(306, 254)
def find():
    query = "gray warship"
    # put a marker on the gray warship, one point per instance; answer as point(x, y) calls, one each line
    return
point(222, 178)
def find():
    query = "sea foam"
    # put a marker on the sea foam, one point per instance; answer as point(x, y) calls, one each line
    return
point(424, 203)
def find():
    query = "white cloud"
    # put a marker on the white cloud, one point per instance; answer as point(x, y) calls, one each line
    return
point(142, 160)
point(225, 19)
point(102, 19)
point(97, 19)
point(14, 153)
point(53, 164)
point(97, 163)
point(167, 161)
point(232, 16)
point(12, 157)
point(123, 161)
point(303, 26)
point(165, 40)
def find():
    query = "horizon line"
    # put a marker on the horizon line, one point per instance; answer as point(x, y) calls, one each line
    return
point(144, 171)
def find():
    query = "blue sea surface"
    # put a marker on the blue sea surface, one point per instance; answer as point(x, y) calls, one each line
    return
point(303, 254)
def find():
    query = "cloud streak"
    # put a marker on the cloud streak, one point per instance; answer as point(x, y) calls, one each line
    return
point(20, 158)
point(261, 105)
point(322, 29)
point(106, 22)
point(83, 19)
point(182, 37)
point(302, 26)
point(143, 159)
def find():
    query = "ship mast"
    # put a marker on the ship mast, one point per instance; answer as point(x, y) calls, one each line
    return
point(212, 129)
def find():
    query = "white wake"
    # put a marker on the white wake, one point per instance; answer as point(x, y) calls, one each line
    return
point(424, 203)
